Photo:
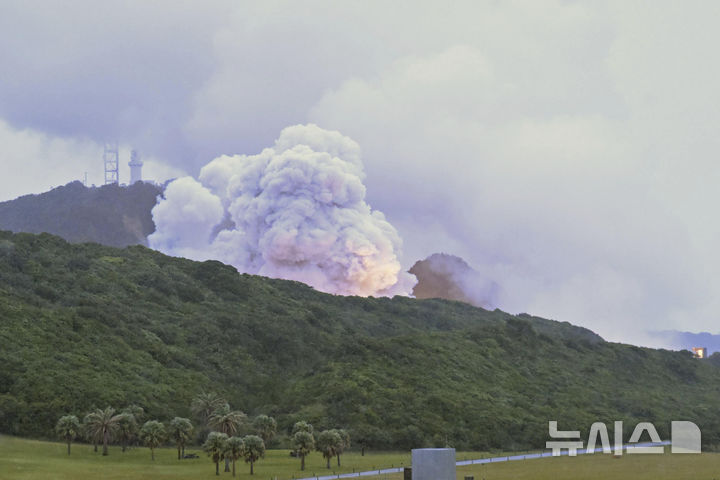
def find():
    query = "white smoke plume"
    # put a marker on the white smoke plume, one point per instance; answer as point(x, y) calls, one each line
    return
point(295, 211)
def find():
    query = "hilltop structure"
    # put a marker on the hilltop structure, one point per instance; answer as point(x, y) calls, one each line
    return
point(136, 165)
point(111, 159)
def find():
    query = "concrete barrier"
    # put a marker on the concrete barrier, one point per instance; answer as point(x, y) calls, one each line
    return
point(433, 464)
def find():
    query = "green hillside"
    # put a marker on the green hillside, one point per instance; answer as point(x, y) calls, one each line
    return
point(110, 215)
point(84, 325)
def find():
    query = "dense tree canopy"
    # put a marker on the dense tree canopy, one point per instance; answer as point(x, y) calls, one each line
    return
point(132, 326)
point(110, 215)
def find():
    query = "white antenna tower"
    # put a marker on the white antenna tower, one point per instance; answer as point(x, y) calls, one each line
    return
point(111, 157)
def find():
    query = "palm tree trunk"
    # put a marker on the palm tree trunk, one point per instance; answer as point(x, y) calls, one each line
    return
point(362, 451)
point(217, 467)
point(183, 451)
point(152, 454)
point(251, 468)
point(302, 462)
point(233, 467)
point(328, 462)
point(69, 445)
point(179, 457)
point(338, 455)
point(95, 443)
point(106, 438)
point(227, 464)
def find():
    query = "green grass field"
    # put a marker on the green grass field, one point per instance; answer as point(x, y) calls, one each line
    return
point(22, 459)
point(597, 467)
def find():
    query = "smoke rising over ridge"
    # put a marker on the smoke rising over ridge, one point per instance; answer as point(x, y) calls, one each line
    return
point(447, 276)
point(296, 211)
point(565, 150)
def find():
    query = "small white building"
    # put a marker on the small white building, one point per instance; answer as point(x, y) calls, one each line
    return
point(136, 165)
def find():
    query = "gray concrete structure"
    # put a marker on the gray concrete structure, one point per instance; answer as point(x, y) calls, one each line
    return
point(433, 464)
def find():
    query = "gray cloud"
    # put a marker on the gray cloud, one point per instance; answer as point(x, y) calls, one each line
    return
point(126, 71)
point(565, 149)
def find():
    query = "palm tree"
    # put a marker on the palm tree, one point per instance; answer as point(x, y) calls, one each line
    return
point(215, 447)
point(205, 404)
point(181, 431)
point(136, 410)
point(344, 443)
point(327, 442)
point(152, 434)
point(102, 425)
point(89, 434)
point(265, 427)
point(228, 422)
point(302, 426)
point(68, 427)
point(254, 449)
point(127, 428)
point(234, 449)
point(304, 443)
point(364, 436)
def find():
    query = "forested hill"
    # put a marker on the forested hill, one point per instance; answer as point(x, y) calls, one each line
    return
point(110, 215)
point(84, 325)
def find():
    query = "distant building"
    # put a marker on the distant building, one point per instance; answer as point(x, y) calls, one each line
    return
point(700, 352)
point(136, 165)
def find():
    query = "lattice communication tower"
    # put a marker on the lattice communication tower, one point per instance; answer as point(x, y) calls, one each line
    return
point(111, 157)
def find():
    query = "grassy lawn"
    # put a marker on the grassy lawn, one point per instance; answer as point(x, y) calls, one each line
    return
point(22, 459)
point(598, 466)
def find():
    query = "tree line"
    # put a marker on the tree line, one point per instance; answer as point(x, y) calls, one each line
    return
point(222, 442)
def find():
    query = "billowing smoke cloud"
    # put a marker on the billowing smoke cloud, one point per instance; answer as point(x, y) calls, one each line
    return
point(450, 277)
point(295, 211)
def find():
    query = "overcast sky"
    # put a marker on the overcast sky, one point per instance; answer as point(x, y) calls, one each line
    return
point(567, 150)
